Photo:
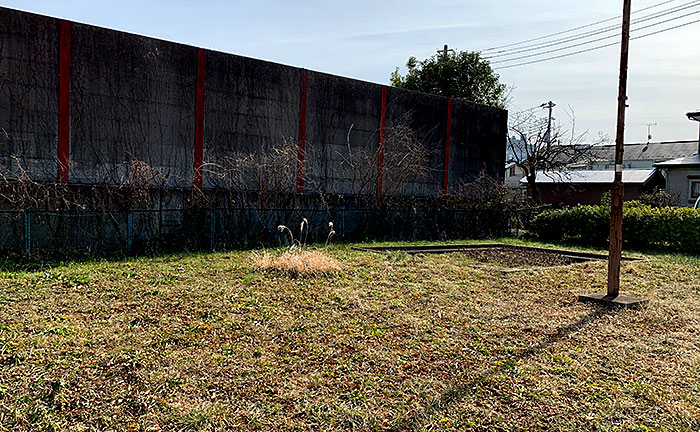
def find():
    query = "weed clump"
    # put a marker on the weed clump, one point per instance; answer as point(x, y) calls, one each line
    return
point(298, 263)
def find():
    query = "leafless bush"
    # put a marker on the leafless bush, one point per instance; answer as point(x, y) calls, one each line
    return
point(129, 186)
point(20, 191)
point(404, 160)
point(134, 189)
point(658, 198)
point(482, 193)
point(268, 173)
point(259, 181)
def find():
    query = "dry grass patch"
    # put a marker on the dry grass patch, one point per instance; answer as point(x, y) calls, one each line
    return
point(298, 263)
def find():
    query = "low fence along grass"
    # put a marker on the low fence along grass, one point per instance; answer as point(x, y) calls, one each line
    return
point(39, 235)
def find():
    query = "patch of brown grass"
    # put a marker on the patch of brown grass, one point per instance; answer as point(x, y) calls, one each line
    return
point(298, 263)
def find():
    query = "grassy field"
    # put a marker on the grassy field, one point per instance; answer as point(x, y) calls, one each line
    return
point(389, 343)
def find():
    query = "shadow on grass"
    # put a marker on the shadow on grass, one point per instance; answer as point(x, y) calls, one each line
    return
point(23, 265)
point(455, 393)
point(584, 245)
point(19, 263)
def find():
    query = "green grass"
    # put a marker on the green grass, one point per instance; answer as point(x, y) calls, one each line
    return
point(392, 342)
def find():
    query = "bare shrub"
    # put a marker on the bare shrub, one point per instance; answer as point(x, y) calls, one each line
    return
point(405, 161)
point(21, 191)
point(260, 181)
point(134, 189)
point(129, 186)
point(269, 173)
point(138, 182)
point(482, 193)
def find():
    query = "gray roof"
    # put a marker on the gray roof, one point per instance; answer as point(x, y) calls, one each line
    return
point(656, 151)
point(687, 161)
point(632, 176)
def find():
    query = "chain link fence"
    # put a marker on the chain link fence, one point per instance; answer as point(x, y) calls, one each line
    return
point(41, 235)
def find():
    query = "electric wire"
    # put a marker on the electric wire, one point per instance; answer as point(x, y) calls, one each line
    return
point(593, 40)
point(597, 47)
point(560, 41)
point(575, 28)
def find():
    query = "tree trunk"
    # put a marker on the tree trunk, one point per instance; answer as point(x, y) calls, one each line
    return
point(534, 191)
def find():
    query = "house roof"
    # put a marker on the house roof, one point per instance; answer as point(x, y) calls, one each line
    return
point(632, 176)
point(688, 161)
point(656, 151)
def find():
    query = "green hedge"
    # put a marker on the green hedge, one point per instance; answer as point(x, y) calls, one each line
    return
point(643, 227)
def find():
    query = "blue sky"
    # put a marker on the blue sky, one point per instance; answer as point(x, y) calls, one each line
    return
point(368, 39)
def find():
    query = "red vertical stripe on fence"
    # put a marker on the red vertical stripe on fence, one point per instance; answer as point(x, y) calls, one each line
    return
point(448, 133)
point(303, 86)
point(64, 101)
point(199, 118)
point(380, 155)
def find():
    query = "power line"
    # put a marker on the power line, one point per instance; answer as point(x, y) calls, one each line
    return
point(560, 41)
point(597, 47)
point(593, 40)
point(597, 31)
point(520, 110)
point(529, 121)
point(575, 28)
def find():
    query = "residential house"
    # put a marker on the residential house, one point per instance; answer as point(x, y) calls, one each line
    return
point(588, 186)
point(637, 155)
point(513, 175)
point(682, 178)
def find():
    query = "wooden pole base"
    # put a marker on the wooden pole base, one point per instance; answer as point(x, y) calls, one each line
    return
point(612, 301)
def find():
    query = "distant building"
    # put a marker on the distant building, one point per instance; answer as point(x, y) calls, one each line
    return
point(637, 155)
point(588, 186)
point(682, 178)
point(513, 175)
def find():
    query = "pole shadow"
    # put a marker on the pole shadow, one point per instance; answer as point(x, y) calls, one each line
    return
point(456, 393)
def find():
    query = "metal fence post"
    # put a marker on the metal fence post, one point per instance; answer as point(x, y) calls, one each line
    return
point(28, 233)
point(212, 235)
point(129, 233)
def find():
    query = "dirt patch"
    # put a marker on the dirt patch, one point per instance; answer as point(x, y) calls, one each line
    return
point(515, 258)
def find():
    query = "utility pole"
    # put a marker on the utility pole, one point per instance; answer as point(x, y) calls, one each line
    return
point(444, 51)
point(615, 254)
point(613, 297)
point(548, 136)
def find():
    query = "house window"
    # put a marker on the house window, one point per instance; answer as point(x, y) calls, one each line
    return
point(511, 172)
point(694, 189)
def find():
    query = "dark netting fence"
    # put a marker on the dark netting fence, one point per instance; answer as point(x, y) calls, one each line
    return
point(43, 235)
